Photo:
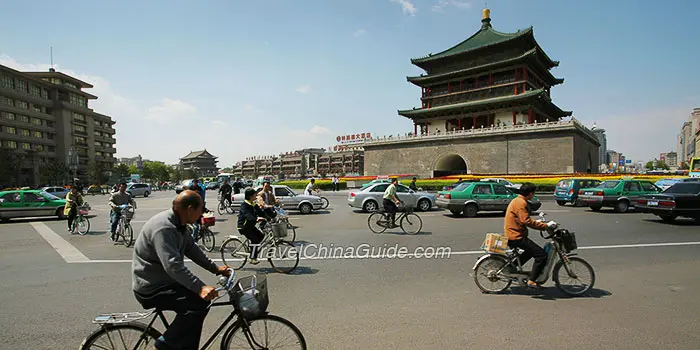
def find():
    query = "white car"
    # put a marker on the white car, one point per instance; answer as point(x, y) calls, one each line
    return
point(502, 181)
point(59, 192)
point(370, 199)
point(288, 198)
point(135, 189)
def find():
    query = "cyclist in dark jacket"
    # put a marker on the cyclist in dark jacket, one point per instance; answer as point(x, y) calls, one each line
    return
point(248, 216)
point(225, 191)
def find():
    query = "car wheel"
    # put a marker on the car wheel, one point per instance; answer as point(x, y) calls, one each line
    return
point(668, 218)
point(470, 210)
point(59, 213)
point(562, 203)
point(456, 212)
point(596, 207)
point(622, 206)
point(370, 206)
point(424, 205)
point(146, 194)
point(306, 208)
point(4, 220)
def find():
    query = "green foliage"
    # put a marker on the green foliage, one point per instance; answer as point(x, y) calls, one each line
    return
point(122, 170)
point(53, 172)
point(133, 170)
point(324, 185)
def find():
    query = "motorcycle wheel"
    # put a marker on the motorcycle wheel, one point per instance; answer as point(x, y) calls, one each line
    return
point(582, 269)
point(486, 277)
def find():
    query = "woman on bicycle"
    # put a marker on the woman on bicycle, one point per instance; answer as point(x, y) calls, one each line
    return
point(74, 199)
point(250, 214)
point(266, 200)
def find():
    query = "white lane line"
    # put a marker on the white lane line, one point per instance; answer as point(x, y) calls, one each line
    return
point(67, 251)
point(437, 255)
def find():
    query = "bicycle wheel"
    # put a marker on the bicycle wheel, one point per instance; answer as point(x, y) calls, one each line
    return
point(265, 332)
point(291, 232)
point(229, 209)
point(206, 239)
point(82, 225)
point(234, 253)
point(325, 202)
point(488, 279)
point(582, 281)
point(377, 222)
point(128, 235)
point(221, 209)
point(282, 255)
point(121, 336)
point(411, 223)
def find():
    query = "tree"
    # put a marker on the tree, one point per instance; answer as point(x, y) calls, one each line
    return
point(176, 175)
point(53, 172)
point(683, 166)
point(10, 170)
point(156, 171)
point(133, 170)
point(97, 174)
point(649, 165)
point(662, 165)
point(122, 171)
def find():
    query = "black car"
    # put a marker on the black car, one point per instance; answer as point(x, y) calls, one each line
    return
point(680, 200)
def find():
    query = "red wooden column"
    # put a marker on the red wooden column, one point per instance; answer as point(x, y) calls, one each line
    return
point(474, 122)
point(530, 118)
point(459, 124)
point(448, 87)
point(514, 115)
point(476, 81)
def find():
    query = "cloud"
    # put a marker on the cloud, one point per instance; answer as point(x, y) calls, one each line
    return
point(169, 111)
point(463, 4)
point(304, 89)
point(642, 135)
point(407, 6)
point(360, 32)
point(219, 123)
point(319, 130)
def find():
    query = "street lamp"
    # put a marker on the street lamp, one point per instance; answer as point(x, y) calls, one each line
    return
point(73, 161)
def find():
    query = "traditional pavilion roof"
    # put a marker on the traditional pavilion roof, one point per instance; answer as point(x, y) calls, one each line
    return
point(199, 154)
point(528, 96)
point(530, 54)
point(485, 37)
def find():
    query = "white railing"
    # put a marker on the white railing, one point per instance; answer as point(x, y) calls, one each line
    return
point(493, 129)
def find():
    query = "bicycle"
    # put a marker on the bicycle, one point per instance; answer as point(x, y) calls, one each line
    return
point(81, 223)
point(202, 235)
point(124, 229)
point(409, 222)
point(281, 224)
point(252, 328)
point(225, 206)
point(273, 247)
point(317, 192)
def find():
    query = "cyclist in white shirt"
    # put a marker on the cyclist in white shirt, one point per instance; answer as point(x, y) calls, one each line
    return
point(310, 187)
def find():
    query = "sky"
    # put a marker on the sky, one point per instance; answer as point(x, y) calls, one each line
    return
point(244, 78)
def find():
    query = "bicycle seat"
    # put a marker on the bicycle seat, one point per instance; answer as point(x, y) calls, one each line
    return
point(122, 317)
point(511, 251)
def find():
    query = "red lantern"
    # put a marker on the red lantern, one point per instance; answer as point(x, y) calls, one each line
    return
point(364, 135)
point(337, 138)
point(369, 135)
point(352, 136)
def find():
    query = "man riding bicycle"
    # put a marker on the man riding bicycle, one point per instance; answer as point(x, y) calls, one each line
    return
point(390, 201)
point(225, 191)
point(310, 187)
point(517, 221)
point(266, 200)
point(73, 200)
point(116, 200)
point(161, 279)
point(250, 214)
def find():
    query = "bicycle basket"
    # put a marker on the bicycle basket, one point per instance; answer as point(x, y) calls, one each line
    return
point(250, 295)
point(84, 212)
point(568, 240)
point(279, 229)
point(128, 213)
point(208, 221)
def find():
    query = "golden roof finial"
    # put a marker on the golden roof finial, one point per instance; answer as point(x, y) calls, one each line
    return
point(486, 13)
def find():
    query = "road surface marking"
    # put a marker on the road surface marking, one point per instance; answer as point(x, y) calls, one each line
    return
point(67, 251)
point(410, 255)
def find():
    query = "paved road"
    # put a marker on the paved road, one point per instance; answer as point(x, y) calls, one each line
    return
point(645, 296)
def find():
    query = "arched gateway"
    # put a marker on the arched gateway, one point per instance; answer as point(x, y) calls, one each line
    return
point(450, 164)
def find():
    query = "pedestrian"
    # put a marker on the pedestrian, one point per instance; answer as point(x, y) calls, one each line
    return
point(336, 184)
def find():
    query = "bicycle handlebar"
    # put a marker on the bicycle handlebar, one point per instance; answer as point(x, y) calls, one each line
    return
point(226, 283)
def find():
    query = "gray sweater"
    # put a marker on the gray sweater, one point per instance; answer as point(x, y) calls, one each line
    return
point(159, 254)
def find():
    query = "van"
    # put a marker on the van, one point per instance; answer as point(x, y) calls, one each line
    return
point(566, 190)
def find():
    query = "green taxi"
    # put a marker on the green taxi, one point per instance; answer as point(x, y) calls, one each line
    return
point(29, 203)
point(472, 197)
point(618, 194)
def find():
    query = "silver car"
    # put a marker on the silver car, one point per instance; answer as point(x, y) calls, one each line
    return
point(370, 198)
point(288, 198)
point(59, 192)
point(135, 189)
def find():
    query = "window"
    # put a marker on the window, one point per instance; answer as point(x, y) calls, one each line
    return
point(97, 133)
point(7, 82)
point(8, 101)
point(38, 134)
point(402, 189)
point(23, 118)
point(50, 136)
point(78, 100)
point(281, 192)
point(22, 104)
point(380, 188)
point(12, 197)
point(37, 109)
point(80, 140)
point(26, 146)
point(632, 187)
point(24, 132)
point(79, 117)
point(79, 128)
point(11, 144)
point(98, 144)
point(98, 154)
point(11, 130)
point(648, 186)
point(10, 116)
point(71, 85)
point(37, 121)
point(30, 197)
point(49, 124)
point(499, 189)
point(22, 86)
point(52, 148)
point(44, 93)
point(482, 189)
point(39, 148)
point(35, 90)
point(97, 123)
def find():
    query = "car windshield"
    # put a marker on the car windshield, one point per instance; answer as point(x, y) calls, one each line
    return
point(461, 186)
point(608, 184)
point(684, 187)
point(666, 182)
point(564, 183)
point(49, 196)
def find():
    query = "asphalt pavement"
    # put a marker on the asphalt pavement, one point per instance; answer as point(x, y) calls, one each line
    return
point(645, 295)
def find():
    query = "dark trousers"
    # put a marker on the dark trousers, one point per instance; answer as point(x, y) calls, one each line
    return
point(71, 216)
point(390, 207)
point(531, 250)
point(186, 329)
point(254, 237)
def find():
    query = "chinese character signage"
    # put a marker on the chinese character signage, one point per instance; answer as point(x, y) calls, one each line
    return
point(353, 138)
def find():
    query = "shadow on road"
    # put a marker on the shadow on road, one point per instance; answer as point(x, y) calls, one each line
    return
point(300, 270)
point(553, 293)
point(401, 233)
point(676, 222)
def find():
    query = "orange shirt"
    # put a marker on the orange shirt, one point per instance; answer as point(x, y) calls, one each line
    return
point(518, 220)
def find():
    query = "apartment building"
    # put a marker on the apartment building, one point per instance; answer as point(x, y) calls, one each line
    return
point(45, 120)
